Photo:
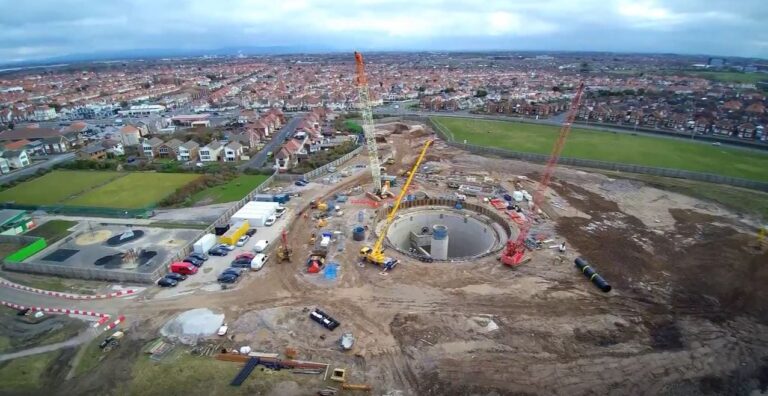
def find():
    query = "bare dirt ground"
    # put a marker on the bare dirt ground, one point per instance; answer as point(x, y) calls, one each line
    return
point(687, 314)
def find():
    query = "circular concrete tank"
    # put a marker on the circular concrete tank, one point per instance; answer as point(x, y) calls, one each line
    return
point(470, 234)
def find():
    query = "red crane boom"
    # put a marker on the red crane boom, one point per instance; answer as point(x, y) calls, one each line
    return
point(515, 249)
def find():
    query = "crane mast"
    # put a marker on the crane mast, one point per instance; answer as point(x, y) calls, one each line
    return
point(513, 253)
point(368, 130)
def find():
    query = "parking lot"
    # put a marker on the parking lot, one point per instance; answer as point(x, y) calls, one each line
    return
point(205, 278)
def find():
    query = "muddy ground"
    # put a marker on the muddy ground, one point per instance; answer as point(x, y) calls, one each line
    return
point(687, 314)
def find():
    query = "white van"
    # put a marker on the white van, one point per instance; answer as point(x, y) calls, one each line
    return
point(258, 261)
point(260, 246)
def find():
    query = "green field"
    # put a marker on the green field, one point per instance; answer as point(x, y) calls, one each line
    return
point(52, 230)
point(126, 190)
point(234, 190)
point(136, 190)
point(614, 147)
point(24, 375)
point(55, 187)
point(730, 77)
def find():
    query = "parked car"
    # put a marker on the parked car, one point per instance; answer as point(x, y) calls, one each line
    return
point(184, 268)
point(223, 330)
point(271, 220)
point(233, 271)
point(167, 282)
point(227, 278)
point(247, 255)
point(260, 246)
point(257, 263)
point(216, 251)
point(242, 241)
point(244, 262)
point(279, 212)
point(199, 256)
point(176, 277)
point(226, 247)
point(251, 232)
point(301, 182)
point(194, 261)
point(331, 169)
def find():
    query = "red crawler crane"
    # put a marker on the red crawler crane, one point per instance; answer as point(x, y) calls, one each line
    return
point(515, 250)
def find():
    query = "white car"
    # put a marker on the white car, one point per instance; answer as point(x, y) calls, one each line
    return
point(258, 261)
point(279, 212)
point(242, 241)
point(271, 220)
point(260, 246)
point(223, 330)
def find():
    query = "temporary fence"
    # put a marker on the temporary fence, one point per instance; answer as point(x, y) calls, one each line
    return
point(612, 166)
point(324, 169)
point(91, 211)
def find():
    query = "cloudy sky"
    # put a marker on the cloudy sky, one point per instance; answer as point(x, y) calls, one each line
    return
point(33, 29)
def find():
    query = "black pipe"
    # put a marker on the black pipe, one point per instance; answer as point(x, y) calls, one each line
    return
point(592, 275)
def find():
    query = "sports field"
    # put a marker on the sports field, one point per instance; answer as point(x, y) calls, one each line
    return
point(135, 190)
point(614, 147)
point(55, 187)
point(97, 188)
point(234, 190)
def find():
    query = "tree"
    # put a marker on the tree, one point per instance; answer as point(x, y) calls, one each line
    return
point(449, 90)
point(481, 93)
point(146, 85)
point(124, 104)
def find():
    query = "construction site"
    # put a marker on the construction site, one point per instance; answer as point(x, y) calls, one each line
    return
point(440, 272)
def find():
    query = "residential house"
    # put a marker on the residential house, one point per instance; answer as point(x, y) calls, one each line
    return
point(149, 147)
point(93, 151)
point(211, 152)
point(233, 151)
point(288, 155)
point(746, 130)
point(44, 113)
point(17, 159)
point(23, 144)
point(113, 147)
point(56, 144)
point(130, 135)
point(188, 151)
point(169, 149)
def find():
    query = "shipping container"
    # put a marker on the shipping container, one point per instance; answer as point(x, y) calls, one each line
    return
point(221, 230)
point(234, 233)
point(263, 198)
point(204, 243)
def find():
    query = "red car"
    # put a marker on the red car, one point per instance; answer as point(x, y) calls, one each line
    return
point(247, 255)
point(183, 268)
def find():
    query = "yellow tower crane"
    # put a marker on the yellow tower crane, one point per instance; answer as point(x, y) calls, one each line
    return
point(376, 255)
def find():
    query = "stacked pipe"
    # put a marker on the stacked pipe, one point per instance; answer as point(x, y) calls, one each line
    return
point(592, 275)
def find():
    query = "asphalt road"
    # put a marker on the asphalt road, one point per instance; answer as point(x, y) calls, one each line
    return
point(109, 306)
point(260, 158)
point(52, 160)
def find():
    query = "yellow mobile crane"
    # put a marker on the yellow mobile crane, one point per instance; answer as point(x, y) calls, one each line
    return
point(375, 255)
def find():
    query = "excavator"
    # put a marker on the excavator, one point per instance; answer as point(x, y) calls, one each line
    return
point(375, 254)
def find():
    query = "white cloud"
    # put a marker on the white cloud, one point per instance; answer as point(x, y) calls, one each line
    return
point(54, 27)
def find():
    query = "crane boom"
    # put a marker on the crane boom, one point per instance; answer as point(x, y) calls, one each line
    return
point(368, 129)
point(399, 200)
point(513, 253)
point(375, 254)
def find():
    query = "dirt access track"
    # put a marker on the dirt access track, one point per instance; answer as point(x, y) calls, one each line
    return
point(687, 314)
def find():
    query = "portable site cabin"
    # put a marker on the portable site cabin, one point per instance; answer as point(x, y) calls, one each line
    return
point(256, 213)
point(234, 233)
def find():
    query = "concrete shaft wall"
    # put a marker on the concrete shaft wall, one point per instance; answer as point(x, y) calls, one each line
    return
point(470, 234)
